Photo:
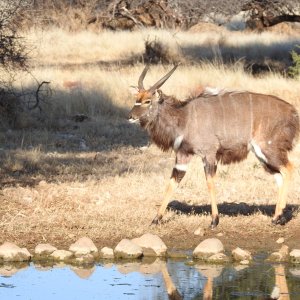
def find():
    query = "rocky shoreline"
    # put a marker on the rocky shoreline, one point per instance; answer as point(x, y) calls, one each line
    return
point(84, 251)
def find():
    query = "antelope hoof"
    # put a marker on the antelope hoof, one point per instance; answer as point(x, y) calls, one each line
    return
point(215, 221)
point(156, 220)
point(280, 220)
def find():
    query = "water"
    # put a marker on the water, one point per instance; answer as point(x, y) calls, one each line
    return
point(149, 279)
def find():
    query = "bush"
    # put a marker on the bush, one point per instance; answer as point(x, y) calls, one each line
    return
point(294, 71)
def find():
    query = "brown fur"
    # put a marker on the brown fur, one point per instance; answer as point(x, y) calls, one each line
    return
point(220, 126)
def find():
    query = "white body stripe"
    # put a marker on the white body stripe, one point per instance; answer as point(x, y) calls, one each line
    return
point(279, 179)
point(177, 142)
point(181, 167)
point(258, 151)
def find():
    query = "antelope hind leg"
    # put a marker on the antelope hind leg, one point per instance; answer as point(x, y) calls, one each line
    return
point(283, 180)
point(210, 169)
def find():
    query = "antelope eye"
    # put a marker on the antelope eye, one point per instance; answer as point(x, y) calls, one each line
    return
point(147, 102)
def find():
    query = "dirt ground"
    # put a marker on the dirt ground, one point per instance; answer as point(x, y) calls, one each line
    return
point(51, 197)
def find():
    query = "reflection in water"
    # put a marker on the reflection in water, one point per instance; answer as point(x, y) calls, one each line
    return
point(150, 279)
point(280, 290)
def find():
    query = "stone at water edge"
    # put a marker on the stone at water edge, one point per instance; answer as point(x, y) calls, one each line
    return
point(151, 241)
point(244, 262)
point(12, 252)
point(280, 256)
point(44, 249)
point(62, 255)
point(83, 246)
point(128, 249)
point(218, 258)
point(239, 254)
point(107, 253)
point(208, 248)
point(295, 256)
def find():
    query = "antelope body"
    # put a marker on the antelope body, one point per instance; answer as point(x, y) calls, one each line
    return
point(223, 128)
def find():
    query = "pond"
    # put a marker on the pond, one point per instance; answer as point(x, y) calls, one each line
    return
point(150, 279)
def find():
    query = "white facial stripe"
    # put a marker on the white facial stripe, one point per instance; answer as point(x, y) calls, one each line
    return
point(279, 179)
point(258, 151)
point(178, 142)
point(181, 167)
point(131, 120)
point(137, 104)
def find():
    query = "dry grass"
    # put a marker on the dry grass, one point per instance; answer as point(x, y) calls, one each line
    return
point(61, 179)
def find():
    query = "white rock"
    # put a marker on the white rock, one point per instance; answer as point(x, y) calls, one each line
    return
point(44, 249)
point(208, 247)
point(294, 272)
point(61, 255)
point(295, 256)
point(84, 259)
point(244, 262)
point(83, 246)
point(128, 249)
point(218, 258)
point(153, 242)
point(240, 254)
point(280, 240)
point(11, 252)
point(199, 231)
point(107, 253)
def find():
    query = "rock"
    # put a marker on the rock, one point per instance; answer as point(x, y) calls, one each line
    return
point(128, 249)
point(107, 253)
point(295, 256)
point(294, 272)
point(219, 234)
point(61, 255)
point(280, 256)
point(280, 240)
point(199, 231)
point(83, 246)
point(84, 259)
point(218, 258)
point(208, 248)
point(151, 241)
point(44, 249)
point(244, 262)
point(239, 254)
point(11, 252)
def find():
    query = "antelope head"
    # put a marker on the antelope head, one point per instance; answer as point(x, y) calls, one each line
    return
point(147, 100)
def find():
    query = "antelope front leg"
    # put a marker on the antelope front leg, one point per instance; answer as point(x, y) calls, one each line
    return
point(178, 173)
point(210, 172)
point(283, 179)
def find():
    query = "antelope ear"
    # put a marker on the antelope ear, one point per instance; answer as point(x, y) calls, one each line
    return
point(158, 96)
point(133, 90)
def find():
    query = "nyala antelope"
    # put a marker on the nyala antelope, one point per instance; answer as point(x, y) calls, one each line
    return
point(222, 128)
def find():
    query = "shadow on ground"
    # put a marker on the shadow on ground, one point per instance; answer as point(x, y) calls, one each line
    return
point(233, 209)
